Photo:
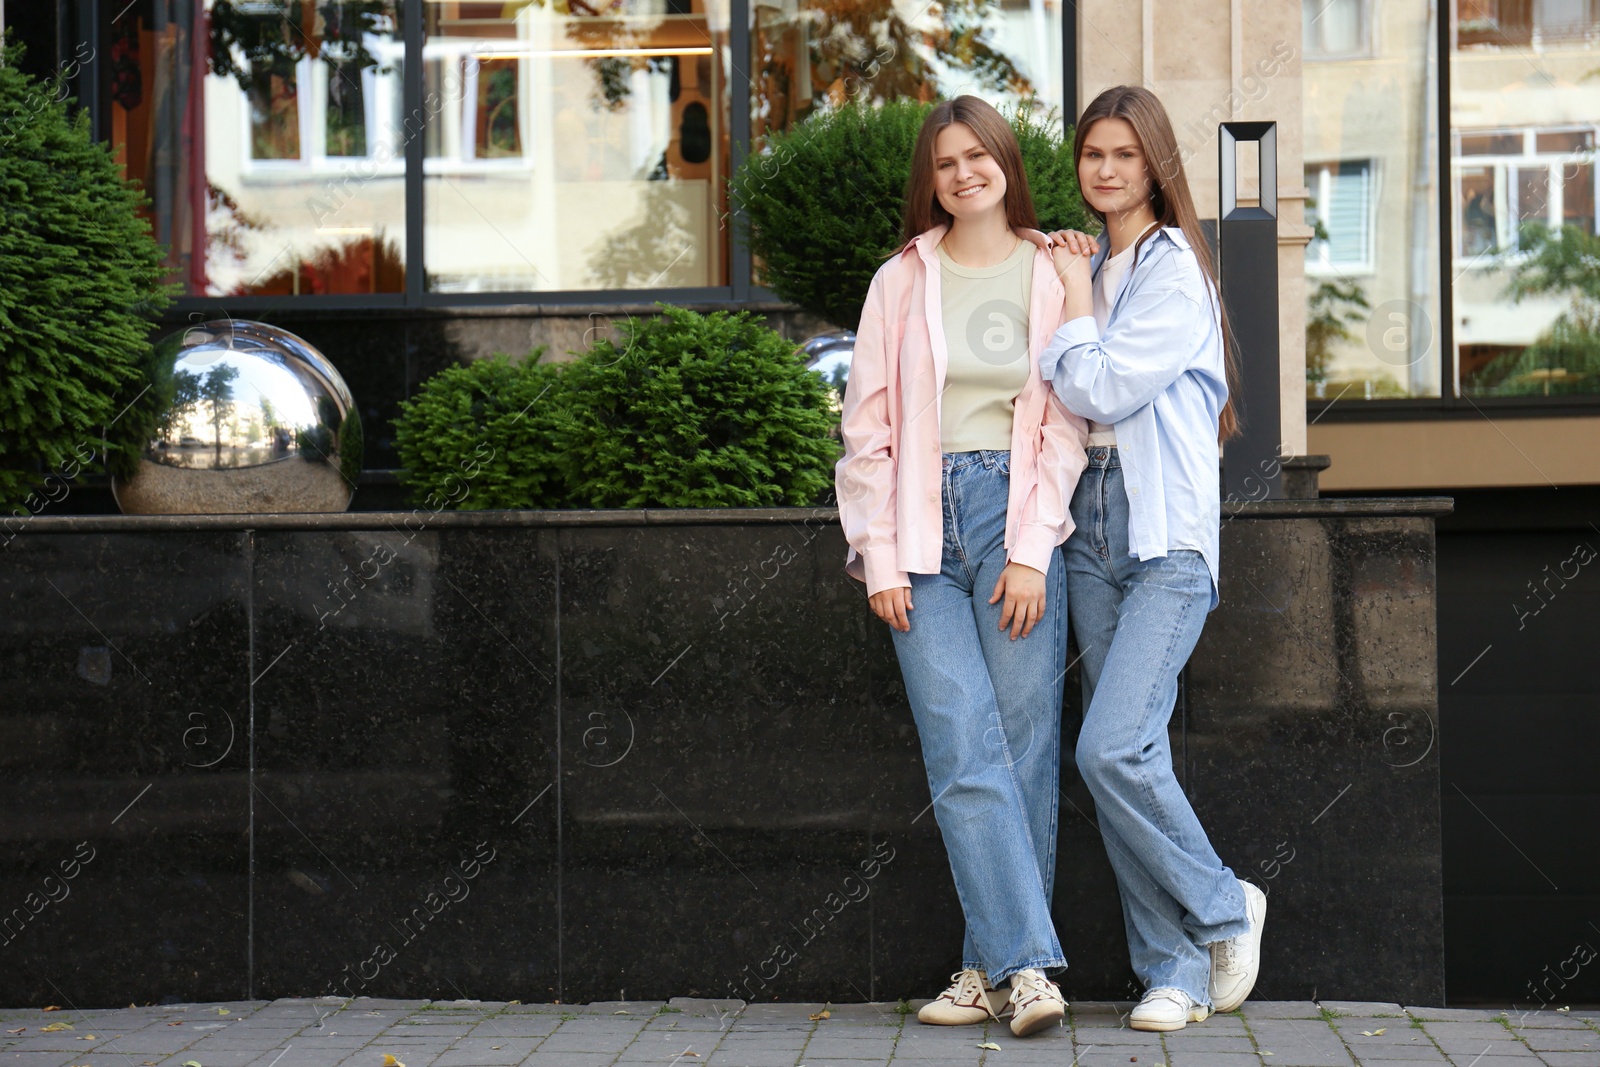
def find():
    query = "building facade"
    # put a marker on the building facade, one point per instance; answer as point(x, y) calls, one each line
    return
point(408, 183)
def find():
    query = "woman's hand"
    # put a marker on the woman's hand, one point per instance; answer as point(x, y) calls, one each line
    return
point(891, 606)
point(1023, 589)
point(1071, 250)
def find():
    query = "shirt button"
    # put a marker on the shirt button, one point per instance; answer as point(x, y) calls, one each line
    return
point(1133, 490)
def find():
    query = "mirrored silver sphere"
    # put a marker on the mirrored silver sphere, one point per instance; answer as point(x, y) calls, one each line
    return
point(255, 421)
point(829, 355)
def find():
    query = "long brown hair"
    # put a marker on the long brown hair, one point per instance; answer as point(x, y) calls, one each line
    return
point(923, 210)
point(1169, 199)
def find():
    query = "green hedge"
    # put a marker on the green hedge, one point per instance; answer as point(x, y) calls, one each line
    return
point(688, 411)
point(80, 278)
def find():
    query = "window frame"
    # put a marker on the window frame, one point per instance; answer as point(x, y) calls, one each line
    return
point(93, 86)
point(413, 42)
point(1364, 45)
point(1369, 221)
point(1451, 403)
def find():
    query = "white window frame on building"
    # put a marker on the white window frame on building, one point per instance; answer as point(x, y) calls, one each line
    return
point(1506, 167)
point(1318, 16)
point(1320, 254)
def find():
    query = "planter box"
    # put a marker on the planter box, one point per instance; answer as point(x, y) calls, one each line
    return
point(602, 755)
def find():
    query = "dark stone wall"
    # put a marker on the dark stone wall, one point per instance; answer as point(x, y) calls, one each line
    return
point(603, 755)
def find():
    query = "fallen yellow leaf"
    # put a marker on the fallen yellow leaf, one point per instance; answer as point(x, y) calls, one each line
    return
point(991, 1046)
point(55, 1027)
point(622, 1013)
point(390, 1061)
point(18, 1030)
point(224, 1011)
point(191, 1063)
point(52, 1007)
point(819, 1016)
point(1380, 1030)
point(513, 1002)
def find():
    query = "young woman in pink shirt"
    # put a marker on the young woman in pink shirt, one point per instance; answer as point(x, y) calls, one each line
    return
point(954, 493)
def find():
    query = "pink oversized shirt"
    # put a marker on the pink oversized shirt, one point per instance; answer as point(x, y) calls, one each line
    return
point(888, 482)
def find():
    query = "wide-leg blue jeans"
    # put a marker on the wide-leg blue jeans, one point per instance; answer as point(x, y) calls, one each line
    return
point(1136, 622)
point(988, 713)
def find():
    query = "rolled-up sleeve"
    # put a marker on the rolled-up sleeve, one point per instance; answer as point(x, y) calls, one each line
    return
point(1146, 349)
point(864, 479)
point(1047, 513)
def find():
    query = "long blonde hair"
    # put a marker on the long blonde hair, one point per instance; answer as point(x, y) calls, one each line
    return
point(1169, 199)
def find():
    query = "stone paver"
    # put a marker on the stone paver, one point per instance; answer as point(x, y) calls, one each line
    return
point(325, 1032)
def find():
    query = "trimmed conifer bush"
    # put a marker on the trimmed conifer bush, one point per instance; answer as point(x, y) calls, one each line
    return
point(695, 411)
point(478, 436)
point(79, 277)
point(824, 203)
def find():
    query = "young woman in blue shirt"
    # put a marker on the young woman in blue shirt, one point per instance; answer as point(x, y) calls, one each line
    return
point(1144, 356)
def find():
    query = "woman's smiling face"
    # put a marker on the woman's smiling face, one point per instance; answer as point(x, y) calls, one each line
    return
point(967, 180)
point(1111, 170)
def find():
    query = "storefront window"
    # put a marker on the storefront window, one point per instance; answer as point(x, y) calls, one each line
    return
point(576, 145)
point(264, 134)
point(1524, 111)
point(814, 53)
point(1371, 137)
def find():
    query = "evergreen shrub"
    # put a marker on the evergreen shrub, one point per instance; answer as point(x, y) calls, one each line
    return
point(80, 277)
point(695, 411)
point(823, 203)
point(479, 436)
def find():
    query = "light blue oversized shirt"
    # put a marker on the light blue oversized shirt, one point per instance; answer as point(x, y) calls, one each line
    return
point(1158, 375)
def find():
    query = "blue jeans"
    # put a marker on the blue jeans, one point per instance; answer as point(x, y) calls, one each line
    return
point(988, 713)
point(1136, 623)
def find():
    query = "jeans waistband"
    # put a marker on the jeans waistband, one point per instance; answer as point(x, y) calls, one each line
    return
point(954, 461)
point(1103, 456)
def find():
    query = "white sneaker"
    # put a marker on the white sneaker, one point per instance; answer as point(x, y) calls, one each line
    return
point(1236, 962)
point(1165, 1009)
point(1035, 1002)
point(970, 999)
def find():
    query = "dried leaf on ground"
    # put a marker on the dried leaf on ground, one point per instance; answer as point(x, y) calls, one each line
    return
point(991, 1046)
point(56, 1027)
point(52, 1007)
point(819, 1016)
point(390, 1061)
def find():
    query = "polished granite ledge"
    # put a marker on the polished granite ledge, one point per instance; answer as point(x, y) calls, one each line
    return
point(1327, 508)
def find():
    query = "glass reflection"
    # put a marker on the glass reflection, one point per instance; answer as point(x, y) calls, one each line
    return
point(1524, 107)
point(813, 54)
point(1371, 136)
point(575, 145)
point(267, 136)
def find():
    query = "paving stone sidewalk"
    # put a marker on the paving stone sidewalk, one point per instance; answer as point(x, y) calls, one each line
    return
point(683, 1032)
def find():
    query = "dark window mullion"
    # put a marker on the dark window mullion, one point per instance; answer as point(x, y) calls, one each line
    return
point(416, 145)
point(1444, 13)
point(739, 129)
point(1069, 65)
